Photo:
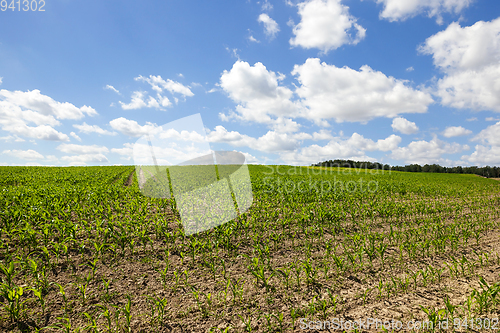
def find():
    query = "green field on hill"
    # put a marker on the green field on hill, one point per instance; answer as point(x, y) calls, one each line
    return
point(83, 250)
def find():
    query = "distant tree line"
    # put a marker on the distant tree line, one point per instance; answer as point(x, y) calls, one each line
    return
point(487, 171)
point(354, 164)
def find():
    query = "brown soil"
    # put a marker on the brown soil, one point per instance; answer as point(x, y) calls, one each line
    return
point(130, 179)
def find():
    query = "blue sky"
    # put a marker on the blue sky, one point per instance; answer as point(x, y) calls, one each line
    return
point(284, 82)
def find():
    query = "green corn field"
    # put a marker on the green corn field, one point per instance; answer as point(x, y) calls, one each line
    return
point(83, 250)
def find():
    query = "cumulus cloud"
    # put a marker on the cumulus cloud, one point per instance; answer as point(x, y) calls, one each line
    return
point(288, 145)
point(344, 94)
point(271, 28)
point(484, 156)
point(35, 101)
point(10, 138)
point(354, 148)
point(427, 152)
point(470, 59)
point(269, 142)
point(404, 126)
point(489, 135)
point(260, 96)
point(324, 92)
point(87, 129)
point(81, 149)
point(158, 84)
point(29, 155)
point(488, 151)
point(140, 99)
point(20, 110)
point(325, 25)
point(42, 132)
point(400, 10)
point(453, 131)
point(132, 128)
point(84, 159)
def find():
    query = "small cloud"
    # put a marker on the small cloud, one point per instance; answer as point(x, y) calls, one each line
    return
point(453, 131)
point(29, 154)
point(252, 39)
point(196, 84)
point(234, 52)
point(180, 75)
point(410, 69)
point(1, 78)
point(472, 119)
point(271, 28)
point(87, 129)
point(266, 6)
point(110, 87)
point(492, 119)
point(74, 135)
point(404, 126)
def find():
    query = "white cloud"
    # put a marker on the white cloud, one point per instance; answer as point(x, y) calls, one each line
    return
point(75, 136)
point(85, 158)
point(470, 58)
point(158, 84)
point(410, 69)
point(11, 138)
point(344, 94)
point(252, 39)
point(30, 155)
point(326, 25)
point(42, 132)
point(138, 102)
point(489, 135)
point(18, 110)
point(472, 119)
point(427, 152)
point(87, 129)
point(1, 80)
point(491, 119)
point(271, 28)
point(132, 128)
point(467, 48)
point(484, 156)
point(404, 126)
point(258, 92)
point(266, 6)
point(81, 149)
point(110, 87)
point(400, 10)
point(353, 148)
point(35, 101)
point(269, 142)
point(453, 131)
point(127, 150)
